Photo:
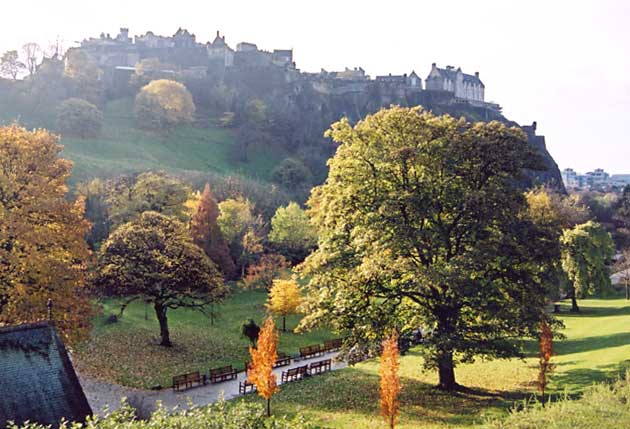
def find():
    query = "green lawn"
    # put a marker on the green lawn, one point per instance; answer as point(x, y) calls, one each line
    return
point(597, 348)
point(128, 353)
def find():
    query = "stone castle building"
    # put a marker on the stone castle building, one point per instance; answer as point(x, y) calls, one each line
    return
point(463, 86)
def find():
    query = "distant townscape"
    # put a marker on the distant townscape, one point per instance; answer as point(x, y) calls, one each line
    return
point(118, 57)
point(594, 180)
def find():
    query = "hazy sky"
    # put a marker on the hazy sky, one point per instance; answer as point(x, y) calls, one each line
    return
point(564, 64)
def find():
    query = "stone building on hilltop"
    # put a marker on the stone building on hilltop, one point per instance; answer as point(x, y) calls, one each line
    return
point(463, 86)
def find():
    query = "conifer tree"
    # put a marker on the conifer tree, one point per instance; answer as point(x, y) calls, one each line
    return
point(546, 352)
point(390, 382)
point(264, 356)
point(284, 299)
point(207, 234)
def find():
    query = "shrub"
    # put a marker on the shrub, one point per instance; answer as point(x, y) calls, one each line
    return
point(164, 104)
point(292, 174)
point(261, 275)
point(79, 118)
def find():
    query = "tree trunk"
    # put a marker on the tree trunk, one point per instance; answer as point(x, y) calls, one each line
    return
point(284, 324)
point(446, 371)
point(269, 407)
point(160, 311)
point(574, 304)
point(627, 291)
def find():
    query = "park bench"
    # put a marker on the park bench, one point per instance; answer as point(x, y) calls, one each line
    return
point(246, 387)
point(311, 351)
point(217, 375)
point(294, 374)
point(283, 360)
point(187, 381)
point(320, 367)
point(332, 345)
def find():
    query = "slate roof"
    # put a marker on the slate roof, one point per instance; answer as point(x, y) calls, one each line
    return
point(37, 379)
point(452, 73)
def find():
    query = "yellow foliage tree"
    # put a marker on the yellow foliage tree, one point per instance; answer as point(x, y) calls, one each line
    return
point(264, 356)
point(43, 252)
point(390, 382)
point(284, 299)
point(164, 104)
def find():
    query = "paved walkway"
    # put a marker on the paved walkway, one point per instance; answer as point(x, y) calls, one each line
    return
point(102, 395)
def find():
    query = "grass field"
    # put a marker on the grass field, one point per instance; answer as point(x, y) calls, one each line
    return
point(122, 148)
point(128, 353)
point(596, 348)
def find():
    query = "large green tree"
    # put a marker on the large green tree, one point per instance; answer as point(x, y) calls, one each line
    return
point(153, 258)
point(292, 232)
point(421, 224)
point(586, 251)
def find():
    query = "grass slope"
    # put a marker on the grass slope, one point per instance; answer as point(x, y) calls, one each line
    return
point(122, 148)
point(596, 348)
point(128, 353)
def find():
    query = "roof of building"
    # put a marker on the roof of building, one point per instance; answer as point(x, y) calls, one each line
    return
point(38, 380)
point(451, 73)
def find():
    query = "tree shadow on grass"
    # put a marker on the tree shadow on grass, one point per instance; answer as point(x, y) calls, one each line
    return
point(589, 311)
point(576, 380)
point(580, 345)
point(354, 391)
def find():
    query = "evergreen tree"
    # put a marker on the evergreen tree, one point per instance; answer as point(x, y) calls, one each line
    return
point(207, 234)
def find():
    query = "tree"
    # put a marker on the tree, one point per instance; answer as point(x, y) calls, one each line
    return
point(79, 118)
point(270, 266)
point(623, 268)
point(85, 75)
point(153, 259)
point(264, 358)
point(94, 194)
point(420, 225)
point(292, 232)
point(284, 299)
point(242, 229)
point(10, 65)
point(43, 253)
point(390, 381)
point(207, 234)
point(623, 207)
point(32, 52)
point(150, 191)
point(545, 367)
point(292, 174)
point(586, 250)
point(164, 104)
point(150, 69)
point(251, 330)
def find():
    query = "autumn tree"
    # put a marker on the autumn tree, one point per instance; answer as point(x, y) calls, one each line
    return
point(420, 224)
point(153, 259)
point(292, 232)
point(586, 250)
point(79, 118)
point(243, 230)
point(390, 381)
point(43, 253)
point(207, 233)
point(261, 274)
point(284, 299)
point(264, 357)
point(545, 367)
point(150, 191)
point(10, 65)
point(164, 104)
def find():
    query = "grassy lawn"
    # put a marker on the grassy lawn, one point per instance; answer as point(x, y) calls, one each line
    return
point(597, 348)
point(122, 148)
point(128, 353)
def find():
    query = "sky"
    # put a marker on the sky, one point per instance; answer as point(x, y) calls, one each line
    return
point(564, 64)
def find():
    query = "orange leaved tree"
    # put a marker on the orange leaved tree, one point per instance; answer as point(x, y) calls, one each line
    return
point(390, 382)
point(264, 356)
point(546, 351)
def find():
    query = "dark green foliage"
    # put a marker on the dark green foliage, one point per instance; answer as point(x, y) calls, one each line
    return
point(251, 331)
point(79, 118)
point(292, 174)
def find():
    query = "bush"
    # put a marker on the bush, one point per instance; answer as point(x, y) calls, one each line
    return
point(292, 174)
point(269, 267)
point(164, 104)
point(79, 118)
point(216, 416)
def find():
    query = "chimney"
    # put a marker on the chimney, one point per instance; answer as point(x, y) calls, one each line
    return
point(433, 65)
point(218, 34)
point(477, 75)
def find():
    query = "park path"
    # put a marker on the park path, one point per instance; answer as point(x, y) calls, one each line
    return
point(104, 396)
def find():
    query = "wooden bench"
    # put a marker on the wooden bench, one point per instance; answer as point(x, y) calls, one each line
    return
point(333, 345)
point(311, 351)
point(187, 381)
point(217, 375)
point(320, 367)
point(294, 374)
point(246, 387)
point(283, 360)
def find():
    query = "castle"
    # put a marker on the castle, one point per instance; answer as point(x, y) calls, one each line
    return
point(118, 56)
